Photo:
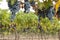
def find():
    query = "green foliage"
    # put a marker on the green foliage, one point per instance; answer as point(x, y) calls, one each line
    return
point(45, 4)
point(12, 1)
point(25, 21)
point(4, 17)
point(4, 20)
point(28, 22)
point(41, 5)
point(0, 0)
point(50, 27)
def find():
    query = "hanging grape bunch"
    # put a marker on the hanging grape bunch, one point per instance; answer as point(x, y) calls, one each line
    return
point(14, 6)
point(27, 6)
point(50, 13)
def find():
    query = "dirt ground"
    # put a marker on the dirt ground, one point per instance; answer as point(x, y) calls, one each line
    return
point(28, 37)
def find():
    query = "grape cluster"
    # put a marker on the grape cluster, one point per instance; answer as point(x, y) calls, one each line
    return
point(50, 13)
point(27, 6)
point(14, 8)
